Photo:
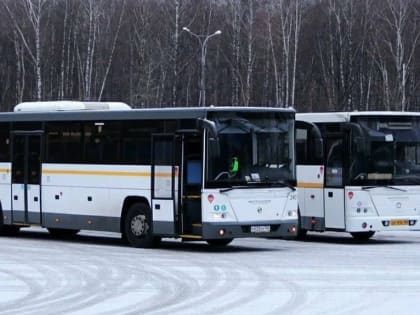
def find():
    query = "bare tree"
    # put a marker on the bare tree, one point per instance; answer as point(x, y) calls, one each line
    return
point(113, 46)
point(33, 12)
point(400, 40)
point(314, 55)
point(234, 20)
point(250, 51)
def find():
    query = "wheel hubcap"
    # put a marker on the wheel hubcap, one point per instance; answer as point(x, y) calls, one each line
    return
point(139, 225)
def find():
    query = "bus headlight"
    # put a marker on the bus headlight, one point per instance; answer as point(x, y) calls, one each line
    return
point(292, 213)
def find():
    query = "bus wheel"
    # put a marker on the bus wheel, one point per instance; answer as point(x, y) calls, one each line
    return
point(9, 230)
point(62, 232)
point(138, 227)
point(362, 236)
point(220, 242)
point(301, 233)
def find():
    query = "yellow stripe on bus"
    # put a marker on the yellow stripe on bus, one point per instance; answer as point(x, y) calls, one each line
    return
point(310, 185)
point(103, 173)
point(189, 236)
point(4, 170)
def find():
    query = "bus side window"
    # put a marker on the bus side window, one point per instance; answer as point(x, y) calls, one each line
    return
point(4, 142)
point(61, 138)
point(334, 170)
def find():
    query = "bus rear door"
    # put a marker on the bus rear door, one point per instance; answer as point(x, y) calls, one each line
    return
point(26, 177)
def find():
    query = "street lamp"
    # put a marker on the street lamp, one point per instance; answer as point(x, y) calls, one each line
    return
point(203, 40)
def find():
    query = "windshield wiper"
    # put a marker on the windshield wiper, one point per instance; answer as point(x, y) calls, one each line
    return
point(235, 187)
point(384, 186)
point(284, 184)
point(258, 185)
point(411, 178)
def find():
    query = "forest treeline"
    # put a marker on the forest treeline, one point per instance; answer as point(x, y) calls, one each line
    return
point(310, 54)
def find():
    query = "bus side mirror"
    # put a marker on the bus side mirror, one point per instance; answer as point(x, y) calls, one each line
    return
point(209, 125)
point(213, 142)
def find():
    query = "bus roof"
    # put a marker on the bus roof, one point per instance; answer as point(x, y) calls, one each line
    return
point(51, 106)
point(331, 117)
point(127, 114)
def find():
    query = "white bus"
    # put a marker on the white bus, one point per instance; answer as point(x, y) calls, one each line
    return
point(358, 172)
point(211, 174)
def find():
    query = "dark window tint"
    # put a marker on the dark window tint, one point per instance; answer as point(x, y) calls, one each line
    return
point(334, 163)
point(102, 142)
point(4, 142)
point(34, 159)
point(64, 142)
point(18, 169)
point(163, 153)
point(136, 143)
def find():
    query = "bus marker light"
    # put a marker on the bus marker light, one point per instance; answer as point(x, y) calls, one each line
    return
point(385, 223)
point(412, 222)
point(364, 225)
point(210, 198)
point(222, 232)
point(57, 220)
point(350, 194)
point(5, 217)
point(313, 221)
point(292, 229)
point(90, 222)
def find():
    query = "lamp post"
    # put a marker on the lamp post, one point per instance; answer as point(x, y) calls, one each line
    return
point(203, 40)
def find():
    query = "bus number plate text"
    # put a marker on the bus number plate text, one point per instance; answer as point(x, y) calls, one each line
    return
point(260, 228)
point(399, 222)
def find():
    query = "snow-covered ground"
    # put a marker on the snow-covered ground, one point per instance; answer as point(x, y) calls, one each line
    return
point(96, 274)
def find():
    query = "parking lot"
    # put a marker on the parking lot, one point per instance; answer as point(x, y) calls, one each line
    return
point(95, 273)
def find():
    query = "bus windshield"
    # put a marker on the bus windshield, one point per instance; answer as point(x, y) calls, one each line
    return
point(392, 151)
point(251, 149)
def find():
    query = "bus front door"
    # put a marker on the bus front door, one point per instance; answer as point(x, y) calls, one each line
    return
point(334, 183)
point(191, 185)
point(176, 184)
point(164, 185)
point(26, 178)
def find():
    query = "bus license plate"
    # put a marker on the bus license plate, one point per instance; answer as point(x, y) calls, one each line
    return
point(260, 228)
point(399, 222)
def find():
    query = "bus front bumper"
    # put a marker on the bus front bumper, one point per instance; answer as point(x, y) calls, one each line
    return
point(284, 228)
point(364, 224)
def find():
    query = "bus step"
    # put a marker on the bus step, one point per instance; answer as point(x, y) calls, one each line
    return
point(197, 228)
point(190, 237)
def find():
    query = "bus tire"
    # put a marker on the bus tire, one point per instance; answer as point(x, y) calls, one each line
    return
point(362, 236)
point(62, 232)
point(301, 232)
point(138, 227)
point(9, 230)
point(220, 242)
